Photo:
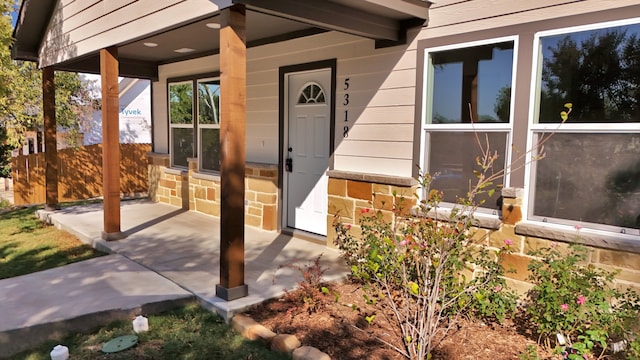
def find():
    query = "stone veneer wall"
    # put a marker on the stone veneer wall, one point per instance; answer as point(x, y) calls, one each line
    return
point(201, 192)
point(611, 255)
point(351, 195)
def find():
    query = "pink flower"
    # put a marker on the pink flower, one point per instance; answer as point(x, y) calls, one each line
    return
point(404, 242)
point(498, 288)
point(348, 226)
point(577, 227)
point(564, 307)
point(365, 210)
point(508, 242)
point(581, 300)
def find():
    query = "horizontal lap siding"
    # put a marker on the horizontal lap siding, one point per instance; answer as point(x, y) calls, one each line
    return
point(456, 17)
point(85, 26)
point(382, 99)
point(381, 112)
point(379, 99)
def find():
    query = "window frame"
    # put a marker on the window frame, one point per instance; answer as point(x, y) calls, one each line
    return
point(179, 126)
point(477, 127)
point(534, 128)
point(194, 80)
point(201, 126)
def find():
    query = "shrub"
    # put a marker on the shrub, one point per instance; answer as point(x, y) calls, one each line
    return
point(428, 264)
point(573, 305)
point(310, 295)
point(424, 264)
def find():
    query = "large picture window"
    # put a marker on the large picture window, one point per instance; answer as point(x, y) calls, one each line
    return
point(195, 122)
point(591, 169)
point(467, 101)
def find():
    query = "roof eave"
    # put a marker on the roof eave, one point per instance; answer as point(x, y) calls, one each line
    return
point(31, 25)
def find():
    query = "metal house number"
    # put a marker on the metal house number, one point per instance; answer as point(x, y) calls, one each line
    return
point(345, 102)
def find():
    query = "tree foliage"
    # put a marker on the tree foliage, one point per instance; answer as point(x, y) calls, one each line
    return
point(5, 42)
point(21, 96)
point(598, 72)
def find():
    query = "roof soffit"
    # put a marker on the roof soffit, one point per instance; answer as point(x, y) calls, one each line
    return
point(31, 25)
point(385, 20)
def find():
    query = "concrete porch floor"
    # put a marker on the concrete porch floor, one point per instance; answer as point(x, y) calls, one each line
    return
point(183, 246)
point(170, 256)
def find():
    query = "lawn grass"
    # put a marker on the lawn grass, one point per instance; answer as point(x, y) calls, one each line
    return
point(188, 333)
point(28, 245)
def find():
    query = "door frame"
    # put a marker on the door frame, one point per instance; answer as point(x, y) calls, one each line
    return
point(282, 123)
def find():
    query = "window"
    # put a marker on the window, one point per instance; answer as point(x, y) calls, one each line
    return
point(467, 101)
point(591, 169)
point(311, 94)
point(181, 122)
point(209, 124)
point(200, 136)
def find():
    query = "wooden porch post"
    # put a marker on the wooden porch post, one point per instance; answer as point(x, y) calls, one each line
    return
point(110, 144)
point(233, 74)
point(50, 141)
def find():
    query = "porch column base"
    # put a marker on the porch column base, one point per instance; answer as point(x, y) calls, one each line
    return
point(232, 293)
point(118, 235)
point(51, 207)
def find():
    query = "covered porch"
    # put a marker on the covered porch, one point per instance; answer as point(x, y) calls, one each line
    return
point(137, 39)
point(184, 247)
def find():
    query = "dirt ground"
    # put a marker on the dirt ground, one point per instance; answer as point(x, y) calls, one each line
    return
point(345, 334)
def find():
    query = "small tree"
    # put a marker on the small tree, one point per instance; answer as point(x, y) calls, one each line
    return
point(21, 94)
point(428, 263)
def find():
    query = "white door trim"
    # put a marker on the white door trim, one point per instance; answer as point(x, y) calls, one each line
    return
point(285, 74)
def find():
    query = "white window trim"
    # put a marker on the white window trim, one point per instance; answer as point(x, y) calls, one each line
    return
point(178, 126)
point(535, 128)
point(204, 126)
point(472, 127)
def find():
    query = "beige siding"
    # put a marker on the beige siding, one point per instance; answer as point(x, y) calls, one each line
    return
point(382, 103)
point(160, 129)
point(84, 26)
point(381, 93)
point(449, 17)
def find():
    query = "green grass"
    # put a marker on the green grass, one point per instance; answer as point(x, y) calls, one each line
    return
point(189, 333)
point(4, 203)
point(27, 245)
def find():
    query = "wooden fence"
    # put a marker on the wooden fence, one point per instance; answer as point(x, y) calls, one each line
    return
point(79, 173)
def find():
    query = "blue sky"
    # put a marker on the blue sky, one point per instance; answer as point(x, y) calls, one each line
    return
point(14, 16)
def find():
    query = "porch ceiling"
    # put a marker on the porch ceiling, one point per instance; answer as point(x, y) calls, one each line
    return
point(141, 57)
point(385, 21)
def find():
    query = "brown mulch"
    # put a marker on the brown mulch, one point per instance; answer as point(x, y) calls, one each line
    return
point(341, 330)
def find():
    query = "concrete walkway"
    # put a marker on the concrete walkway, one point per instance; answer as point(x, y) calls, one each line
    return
point(169, 255)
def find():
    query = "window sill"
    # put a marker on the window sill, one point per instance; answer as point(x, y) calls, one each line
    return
point(485, 221)
point(175, 171)
point(373, 178)
point(590, 237)
point(206, 176)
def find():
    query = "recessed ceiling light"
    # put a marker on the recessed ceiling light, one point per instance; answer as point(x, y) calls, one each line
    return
point(184, 50)
point(212, 25)
point(150, 44)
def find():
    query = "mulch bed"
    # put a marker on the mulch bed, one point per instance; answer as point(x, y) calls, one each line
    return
point(345, 334)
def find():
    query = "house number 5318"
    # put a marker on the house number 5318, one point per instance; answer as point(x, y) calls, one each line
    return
point(345, 103)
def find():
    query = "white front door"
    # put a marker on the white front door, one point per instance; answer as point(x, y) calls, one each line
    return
point(307, 150)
